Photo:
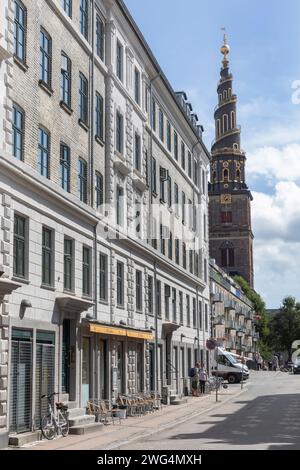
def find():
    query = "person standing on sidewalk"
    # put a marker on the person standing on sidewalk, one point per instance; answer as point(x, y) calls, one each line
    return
point(195, 379)
point(202, 379)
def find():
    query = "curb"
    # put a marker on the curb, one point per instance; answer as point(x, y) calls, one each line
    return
point(172, 424)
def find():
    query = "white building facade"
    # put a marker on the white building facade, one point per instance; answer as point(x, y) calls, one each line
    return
point(104, 283)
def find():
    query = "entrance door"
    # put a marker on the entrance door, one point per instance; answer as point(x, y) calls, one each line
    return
point(139, 367)
point(20, 381)
point(86, 371)
point(151, 367)
point(103, 368)
point(66, 358)
point(175, 371)
point(44, 373)
point(119, 365)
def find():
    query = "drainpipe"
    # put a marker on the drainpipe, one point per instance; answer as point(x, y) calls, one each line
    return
point(156, 333)
point(198, 323)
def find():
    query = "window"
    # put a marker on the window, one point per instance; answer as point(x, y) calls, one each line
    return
point(205, 270)
point(184, 255)
point(194, 314)
point(176, 198)
point(203, 182)
point(103, 276)
point(162, 240)
point(153, 175)
point(83, 98)
point(170, 246)
point(120, 284)
point(20, 30)
point(99, 190)
point(183, 155)
point(84, 18)
point(82, 180)
point(225, 175)
point(169, 143)
point(137, 86)
point(200, 314)
point(162, 185)
point(161, 125)
point(153, 114)
point(20, 247)
point(67, 6)
point(99, 116)
point(191, 256)
point(119, 132)
point(206, 317)
point(195, 173)
point(45, 58)
point(183, 207)
point(238, 176)
point(44, 152)
point(189, 164)
point(204, 227)
point(65, 165)
point(120, 206)
point(232, 115)
point(177, 251)
point(190, 214)
point(196, 264)
point(138, 290)
point(181, 308)
point(226, 217)
point(65, 80)
point(68, 264)
point(150, 295)
point(188, 313)
point(175, 145)
point(158, 298)
point(47, 257)
point(174, 313)
point(138, 218)
point(86, 271)
point(18, 132)
point(119, 65)
point(167, 301)
point(100, 37)
point(137, 151)
point(227, 255)
point(225, 122)
point(169, 183)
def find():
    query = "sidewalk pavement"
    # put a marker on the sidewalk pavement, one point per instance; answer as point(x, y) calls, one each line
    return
point(113, 436)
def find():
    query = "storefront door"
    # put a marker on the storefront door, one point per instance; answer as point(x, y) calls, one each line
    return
point(86, 371)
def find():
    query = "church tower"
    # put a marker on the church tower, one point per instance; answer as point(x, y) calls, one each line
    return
point(230, 232)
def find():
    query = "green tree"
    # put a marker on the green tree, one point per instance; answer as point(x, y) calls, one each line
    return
point(285, 326)
point(262, 326)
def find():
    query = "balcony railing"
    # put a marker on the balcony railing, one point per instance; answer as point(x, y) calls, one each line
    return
point(219, 320)
point(231, 324)
point(230, 344)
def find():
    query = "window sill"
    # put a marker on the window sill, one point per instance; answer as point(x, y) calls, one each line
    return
point(99, 140)
point(103, 302)
point(21, 279)
point(66, 107)
point(122, 307)
point(46, 87)
point(154, 194)
point(83, 124)
point(47, 287)
point(87, 297)
point(23, 66)
point(162, 201)
point(68, 291)
point(139, 311)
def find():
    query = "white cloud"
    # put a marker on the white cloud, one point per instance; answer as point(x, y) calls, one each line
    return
point(275, 163)
point(276, 226)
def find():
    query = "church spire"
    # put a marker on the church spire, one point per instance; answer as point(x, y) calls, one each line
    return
point(225, 49)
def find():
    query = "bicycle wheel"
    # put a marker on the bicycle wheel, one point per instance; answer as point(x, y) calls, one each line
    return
point(64, 424)
point(48, 427)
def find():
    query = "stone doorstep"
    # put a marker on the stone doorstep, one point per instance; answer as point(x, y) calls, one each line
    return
point(76, 412)
point(86, 428)
point(19, 440)
point(81, 420)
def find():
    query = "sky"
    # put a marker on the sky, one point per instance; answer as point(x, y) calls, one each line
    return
point(264, 38)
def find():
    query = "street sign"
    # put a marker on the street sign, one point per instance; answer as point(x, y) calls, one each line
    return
point(211, 344)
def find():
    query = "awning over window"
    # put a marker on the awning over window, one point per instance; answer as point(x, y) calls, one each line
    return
point(111, 330)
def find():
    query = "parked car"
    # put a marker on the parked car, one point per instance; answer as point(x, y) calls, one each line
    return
point(296, 366)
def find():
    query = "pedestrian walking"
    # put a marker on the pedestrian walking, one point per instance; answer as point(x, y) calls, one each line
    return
point(275, 363)
point(194, 374)
point(259, 362)
point(203, 376)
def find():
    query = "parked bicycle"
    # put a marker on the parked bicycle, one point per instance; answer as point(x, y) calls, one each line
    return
point(57, 422)
point(214, 383)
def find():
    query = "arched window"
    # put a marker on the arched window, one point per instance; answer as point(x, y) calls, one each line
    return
point(220, 98)
point(227, 254)
point(218, 127)
point(225, 122)
point(225, 95)
point(225, 175)
point(229, 92)
point(235, 146)
point(238, 175)
point(214, 176)
point(232, 115)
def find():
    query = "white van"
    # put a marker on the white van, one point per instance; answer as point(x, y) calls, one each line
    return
point(225, 365)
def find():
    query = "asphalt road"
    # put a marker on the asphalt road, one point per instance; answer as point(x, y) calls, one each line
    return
point(265, 416)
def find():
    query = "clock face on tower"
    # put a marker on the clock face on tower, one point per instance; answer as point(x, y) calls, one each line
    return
point(225, 198)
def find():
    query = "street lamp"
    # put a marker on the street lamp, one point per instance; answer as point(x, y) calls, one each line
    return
point(254, 339)
point(240, 335)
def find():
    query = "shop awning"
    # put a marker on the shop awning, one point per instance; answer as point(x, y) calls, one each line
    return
point(116, 331)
